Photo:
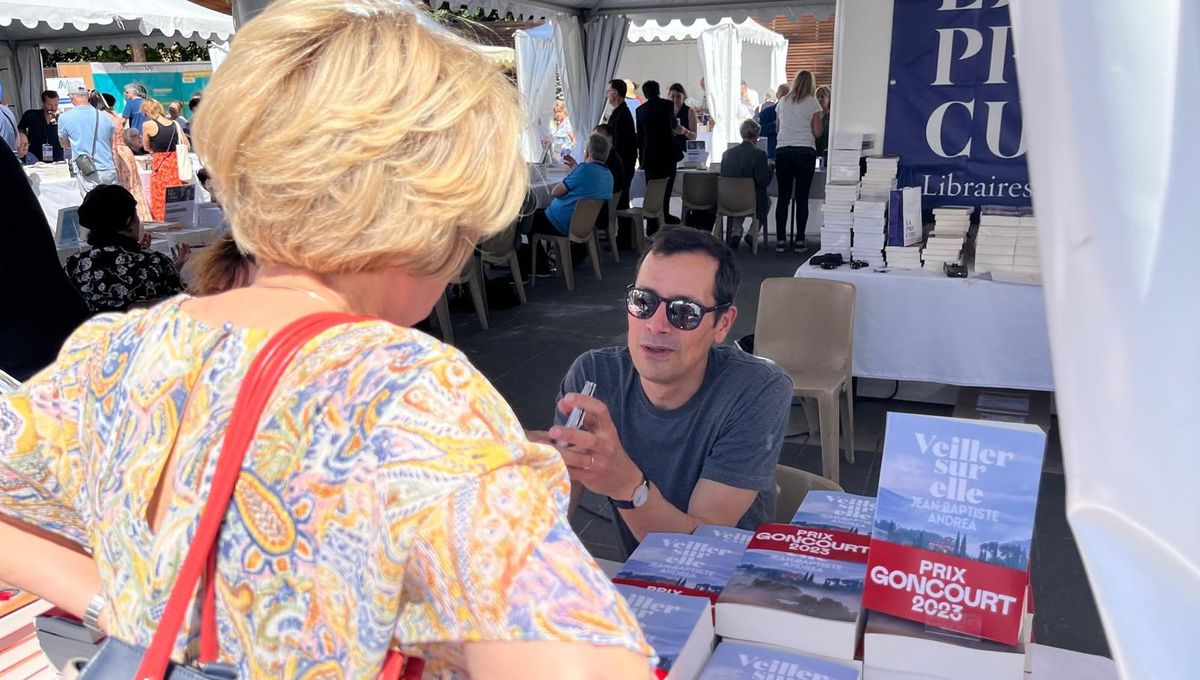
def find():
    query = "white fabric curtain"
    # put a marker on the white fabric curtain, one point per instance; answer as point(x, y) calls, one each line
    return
point(779, 74)
point(1115, 205)
point(568, 43)
point(536, 62)
point(30, 82)
point(721, 53)
point(605, 41)
point(217, 51)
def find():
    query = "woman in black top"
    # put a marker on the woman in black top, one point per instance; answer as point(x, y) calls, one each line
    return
point(118, 271)
point(161, 136)
point(684, 121)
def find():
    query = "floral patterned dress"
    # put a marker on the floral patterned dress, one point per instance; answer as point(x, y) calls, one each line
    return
point(127, 169)
point(390, 496)
point(112, 277)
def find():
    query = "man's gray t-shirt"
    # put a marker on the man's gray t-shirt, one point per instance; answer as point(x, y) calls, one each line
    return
point(730, 431)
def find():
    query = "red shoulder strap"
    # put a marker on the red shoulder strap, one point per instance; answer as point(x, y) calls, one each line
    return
point(252, 398)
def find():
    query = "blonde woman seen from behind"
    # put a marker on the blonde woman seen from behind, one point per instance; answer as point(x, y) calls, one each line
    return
point(798, 127)
point(391, 497)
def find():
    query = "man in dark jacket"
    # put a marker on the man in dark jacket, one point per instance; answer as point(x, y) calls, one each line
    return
point(658, 152)
point(747, 160)
point(625, 144)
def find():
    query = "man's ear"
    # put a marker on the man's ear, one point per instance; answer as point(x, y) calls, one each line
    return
point(725, 323)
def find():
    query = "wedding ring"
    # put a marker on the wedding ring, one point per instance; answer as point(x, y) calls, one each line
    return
point(591, 462)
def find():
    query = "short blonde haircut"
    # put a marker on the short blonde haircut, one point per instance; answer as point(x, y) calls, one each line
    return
point(415, 166)
point(151, 107)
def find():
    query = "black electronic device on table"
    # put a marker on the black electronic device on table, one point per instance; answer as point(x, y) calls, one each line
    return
point(827, 261)
point(859, 264)
point(955, 271)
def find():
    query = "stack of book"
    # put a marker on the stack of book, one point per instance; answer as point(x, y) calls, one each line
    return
point(901, 257)
point(952, 221)
point(942, 250)
point(845, 150)
point(838, 218)
point(870, 232)
point(678, 627)
point(681, 564)
point(880, 179)
point(737, 660)
point(836, 510)
point(730, 534)
point(20, 654)
point(896, 647)
point(996, 241)
point(1028, 258)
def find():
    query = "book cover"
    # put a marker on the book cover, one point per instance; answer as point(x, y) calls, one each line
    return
point(797, 583)
point(670, 622)
point(836, 510)
point(731, 534)
point(740, 661)
point(681, 563)
point(954, 523)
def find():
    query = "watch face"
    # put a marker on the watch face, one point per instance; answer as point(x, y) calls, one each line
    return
point(640, 496)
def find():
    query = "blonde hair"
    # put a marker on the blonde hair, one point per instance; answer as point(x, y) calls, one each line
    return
point(151, 107)
point(411, 172)
point(802, 87)
point(823, 90)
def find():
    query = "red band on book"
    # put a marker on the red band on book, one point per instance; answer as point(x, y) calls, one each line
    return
point(798, 540)
point(668, 588)
point(945, 591)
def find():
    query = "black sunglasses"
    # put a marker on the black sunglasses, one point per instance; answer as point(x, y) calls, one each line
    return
point(682, 313)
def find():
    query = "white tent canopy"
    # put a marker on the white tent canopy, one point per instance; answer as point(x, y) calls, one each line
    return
point(26, 25)
point(724, 53)
point(687, 10)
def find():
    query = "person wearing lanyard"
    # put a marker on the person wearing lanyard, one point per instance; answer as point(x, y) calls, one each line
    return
point(41, 127)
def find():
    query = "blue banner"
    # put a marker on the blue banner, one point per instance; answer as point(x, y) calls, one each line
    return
point(953, 108)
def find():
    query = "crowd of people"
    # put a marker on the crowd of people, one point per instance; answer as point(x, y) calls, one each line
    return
point(650, 132)
point(424, 458)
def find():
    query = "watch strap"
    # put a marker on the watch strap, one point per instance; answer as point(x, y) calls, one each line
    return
point(629, 505)
point(91, 615)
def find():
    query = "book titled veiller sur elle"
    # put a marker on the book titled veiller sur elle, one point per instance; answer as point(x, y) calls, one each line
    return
point(954, 523)
point(798, 588)
point(678, 627)
point(731, 534)
point(836, 510)
point(681, 563)
point(743, 661)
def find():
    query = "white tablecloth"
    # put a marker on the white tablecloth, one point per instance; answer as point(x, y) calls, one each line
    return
point(915, 325)
point(56, 189)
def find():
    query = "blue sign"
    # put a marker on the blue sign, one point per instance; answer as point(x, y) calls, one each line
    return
point(953, 108)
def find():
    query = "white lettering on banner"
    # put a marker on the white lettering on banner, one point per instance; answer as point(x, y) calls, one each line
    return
point(933, 129)
point(999, 47)
point(956, 591)
point(952, 5)
point(995, 120)
point(775, 669)
point(947, 186)
point(946, 51)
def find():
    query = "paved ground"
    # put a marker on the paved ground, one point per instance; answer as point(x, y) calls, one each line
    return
point(529, 348)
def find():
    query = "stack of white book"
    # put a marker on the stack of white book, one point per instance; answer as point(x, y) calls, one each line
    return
point(837, 227)
point(996, 241)
point(903, 257)
point(678, 627)
point(845, 150)
point(880, 179)
point(736, 660)
point(20, 654)
point(942, 250)
point(952, 220)
point(895, 647)
point(1028, 258)
point(870, 233)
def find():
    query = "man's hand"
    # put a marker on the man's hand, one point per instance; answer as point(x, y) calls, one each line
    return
point(570, 161)
point(593, 453)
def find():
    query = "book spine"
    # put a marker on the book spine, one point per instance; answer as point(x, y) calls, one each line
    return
point(895, 219)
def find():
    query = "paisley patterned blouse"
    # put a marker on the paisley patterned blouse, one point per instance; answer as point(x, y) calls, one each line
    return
point(390, 495)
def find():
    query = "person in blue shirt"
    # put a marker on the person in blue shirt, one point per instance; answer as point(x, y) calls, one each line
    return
point(86, 130)
point(768, 118)
point(134, 94)
point(590, 179)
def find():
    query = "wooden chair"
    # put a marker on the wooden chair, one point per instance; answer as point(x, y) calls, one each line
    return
point(653, 207)
point(501, 249)
point(807, 327)
point(583, 230)
point(699, 192)
point(735, 198)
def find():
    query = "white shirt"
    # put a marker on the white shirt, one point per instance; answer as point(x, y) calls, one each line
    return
point(795, 122)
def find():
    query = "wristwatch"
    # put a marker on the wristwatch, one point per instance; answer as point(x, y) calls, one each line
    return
point(640, 495)
point(91, 615)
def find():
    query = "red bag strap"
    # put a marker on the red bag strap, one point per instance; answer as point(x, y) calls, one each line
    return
point(252, 398)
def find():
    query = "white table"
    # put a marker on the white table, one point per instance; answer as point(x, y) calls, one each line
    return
point(56, 189)
point(923, 326)
point(543, 178)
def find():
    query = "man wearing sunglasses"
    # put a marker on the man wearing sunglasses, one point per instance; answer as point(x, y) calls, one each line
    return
point(682, 430)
